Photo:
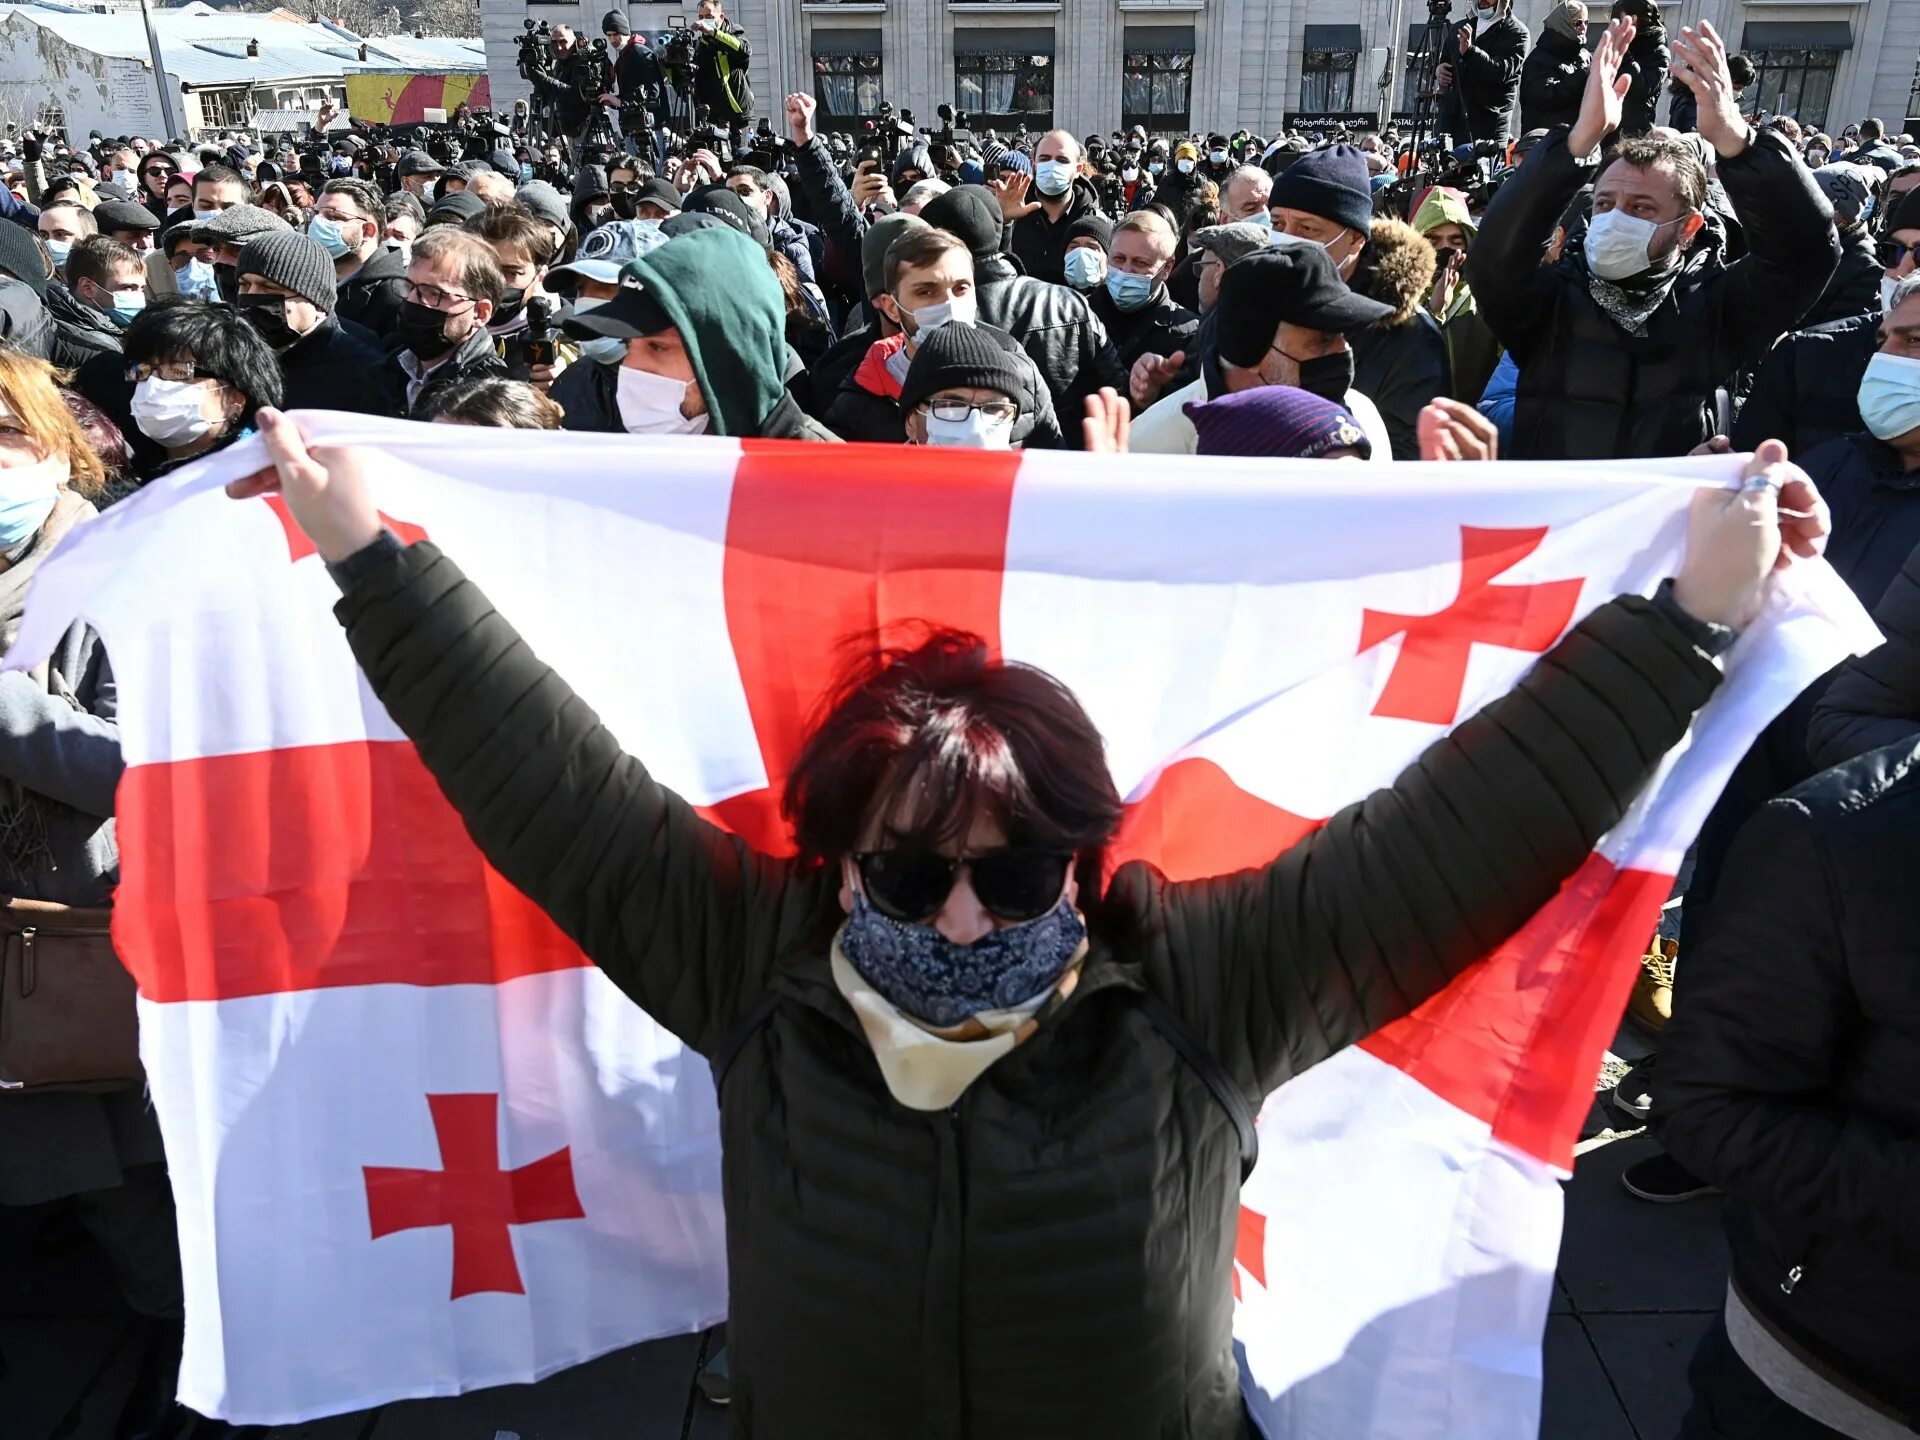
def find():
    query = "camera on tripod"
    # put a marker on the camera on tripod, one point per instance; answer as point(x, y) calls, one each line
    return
point(535, 46)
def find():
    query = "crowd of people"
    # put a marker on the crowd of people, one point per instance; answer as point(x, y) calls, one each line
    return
point(1592, 285)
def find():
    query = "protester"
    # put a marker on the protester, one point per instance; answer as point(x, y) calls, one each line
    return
point(1804, 392)
point(523, 248)
point(945, 799)
point(189, 263)
point(1855, 287)
point(1058, 330)
point(1554, 77)
point(131, 224)
point(1479, 72)
point(1283, 319)
point(224, 232)
point(106, 288)
point(157, 172)
point(1279, 421)
point(969, 387)
point(453, 286)
point(1245, 196)
point(1624, 351)
point(704, 322)
point(1133, 304)
point(492, 402)
point(1041, 222)
point(1085, 262)
point(349, 222)
point(288, 294)
point(1446, 223)
point(199, 373)
point(63, 225)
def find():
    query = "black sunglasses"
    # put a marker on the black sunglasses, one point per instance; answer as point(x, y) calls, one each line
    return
point(1891, 253)
point(1015, 883)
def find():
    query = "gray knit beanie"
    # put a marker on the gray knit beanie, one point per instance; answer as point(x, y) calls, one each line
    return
point(292, 261)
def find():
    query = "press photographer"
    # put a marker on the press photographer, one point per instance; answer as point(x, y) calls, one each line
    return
point(721, 91)
point(638, 81)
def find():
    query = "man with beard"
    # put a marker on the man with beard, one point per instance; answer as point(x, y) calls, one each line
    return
point(1622, 348)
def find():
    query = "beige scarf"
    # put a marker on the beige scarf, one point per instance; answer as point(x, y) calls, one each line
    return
point(928, 1069)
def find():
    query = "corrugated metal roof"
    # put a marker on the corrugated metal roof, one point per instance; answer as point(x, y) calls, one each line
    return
point(203, 46)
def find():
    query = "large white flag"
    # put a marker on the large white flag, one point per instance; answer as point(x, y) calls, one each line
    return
point(419, 1147)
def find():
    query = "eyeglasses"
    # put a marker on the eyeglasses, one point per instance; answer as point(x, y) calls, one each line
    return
point(1015, 883)
point(433, 297)
point(961, 409)
point(1892, 254)
point(179, 372)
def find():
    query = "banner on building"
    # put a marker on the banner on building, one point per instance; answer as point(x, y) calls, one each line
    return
point(396, 99)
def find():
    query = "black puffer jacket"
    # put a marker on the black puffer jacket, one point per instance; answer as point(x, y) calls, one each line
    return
point(1855, 287)
point(1485, 79)
point(1400, 363)
point(1159, 327)
point(80, 332)
point(965, 1272)
point(1874, 699)
point(1059, 332)
point(1647, 61)
point(336, 367)
point(1790, 1074)
point(375, 293)
point(1588, 389)
point(1039, 242)
point(475, 359)
point(1807, 391)
point(1552, 82)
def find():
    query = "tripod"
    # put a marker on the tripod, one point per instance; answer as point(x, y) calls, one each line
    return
point(1424, 134)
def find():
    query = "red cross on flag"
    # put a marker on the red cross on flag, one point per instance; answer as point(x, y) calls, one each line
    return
point(418, 1146)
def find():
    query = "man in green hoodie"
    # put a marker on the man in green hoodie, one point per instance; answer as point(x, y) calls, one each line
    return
point(1472, 352)
point(704, 322)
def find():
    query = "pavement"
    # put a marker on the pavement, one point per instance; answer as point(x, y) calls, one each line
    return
point(1637, 1285)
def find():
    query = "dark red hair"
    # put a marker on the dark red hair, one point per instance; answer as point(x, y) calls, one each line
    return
point(945, 733)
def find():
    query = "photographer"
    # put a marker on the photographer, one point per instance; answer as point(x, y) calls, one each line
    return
point(636, 74)
point(1479, 72)
point(720, 59)
point(560, 87)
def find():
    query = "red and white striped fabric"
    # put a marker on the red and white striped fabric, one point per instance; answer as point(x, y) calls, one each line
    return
point(419, 1147)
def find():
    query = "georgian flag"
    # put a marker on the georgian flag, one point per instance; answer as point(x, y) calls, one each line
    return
point(419, 1146)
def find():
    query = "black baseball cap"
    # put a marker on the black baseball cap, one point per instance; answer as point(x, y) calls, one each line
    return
point(1294, 283)
point(628, 315)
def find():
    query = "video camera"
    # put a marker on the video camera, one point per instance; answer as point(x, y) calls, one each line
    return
point(884, 138)
point(535, 47)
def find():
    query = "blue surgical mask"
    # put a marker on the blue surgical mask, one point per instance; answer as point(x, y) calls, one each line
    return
point(1085, 267)
point(1260, 220)
point(328, 235)
point(1156, 167)
point(526, 172)
point(27, 493)
point(1890, 396)
point(1129, 292)
point(935, 980)
point(126, 305)
point(59, 250)
point(1053, 177)
point(602, 349)
point(197, 280)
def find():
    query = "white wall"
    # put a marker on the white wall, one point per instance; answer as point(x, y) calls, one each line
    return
point(96, 92)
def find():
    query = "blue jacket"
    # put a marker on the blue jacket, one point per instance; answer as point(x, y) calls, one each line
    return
point(1496, 401)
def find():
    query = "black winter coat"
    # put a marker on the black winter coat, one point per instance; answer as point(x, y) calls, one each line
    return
point(1588, 389)
point(24, 321)
point(1160, 327)
point(336, 367)
point(1485, 79)
point(1400, 363)
point(1790, 1074)
point(1552, 82)
point(1683, 111)
point(376, 292)
point(1855, 287)
point(1059, 332)
point(829, 204)
point(1039, 243)
point(1072, 1218)
point(824, 376)
point(80, 332)
point(1876, 511)
point(1874, 699)
point(1807, 390)
point(1647, 60)
point(475, 359)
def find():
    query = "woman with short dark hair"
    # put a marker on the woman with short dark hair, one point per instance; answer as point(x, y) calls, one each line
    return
point(984, 1119)
point(199, 372)
point(491, 401)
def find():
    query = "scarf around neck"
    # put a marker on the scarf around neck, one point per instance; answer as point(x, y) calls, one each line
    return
point(1630, 302)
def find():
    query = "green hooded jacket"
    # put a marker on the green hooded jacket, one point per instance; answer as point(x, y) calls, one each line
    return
point(1443, 206)
point(724, 300)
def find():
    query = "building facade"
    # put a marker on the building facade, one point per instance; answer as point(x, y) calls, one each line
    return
point(1181, 65)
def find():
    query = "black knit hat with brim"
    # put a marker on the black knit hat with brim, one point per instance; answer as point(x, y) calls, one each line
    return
point(957, 355)
point(292, 261)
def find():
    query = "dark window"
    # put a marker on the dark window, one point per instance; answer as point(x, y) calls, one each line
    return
point(1792, 82)
point(1156, 91)
point(1326, 80)
point(1004, 91)
point(846, 83)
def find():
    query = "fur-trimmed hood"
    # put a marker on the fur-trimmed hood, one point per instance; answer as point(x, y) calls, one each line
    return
point(1396, 270)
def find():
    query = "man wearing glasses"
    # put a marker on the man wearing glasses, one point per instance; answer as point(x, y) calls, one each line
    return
point(966, 389)
point(453, 285)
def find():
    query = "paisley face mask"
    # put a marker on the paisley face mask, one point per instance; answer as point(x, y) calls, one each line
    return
point(941, 983)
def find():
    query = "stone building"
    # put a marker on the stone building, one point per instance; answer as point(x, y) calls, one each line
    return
point(1180, 65)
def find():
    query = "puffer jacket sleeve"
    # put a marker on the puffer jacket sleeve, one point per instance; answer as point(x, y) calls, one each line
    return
point(1514, 291)
point(1874, 699)
point(1792, 250)
point(1760, 1033)
point(1361, 921)
point(680, 915)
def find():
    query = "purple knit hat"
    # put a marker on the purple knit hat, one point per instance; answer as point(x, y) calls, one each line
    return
point(1276, 420)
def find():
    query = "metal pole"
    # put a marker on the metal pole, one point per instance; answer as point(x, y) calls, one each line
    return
point(167, 113)
point(1392, 75)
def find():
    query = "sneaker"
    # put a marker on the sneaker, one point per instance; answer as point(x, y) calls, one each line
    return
point(1632, 1094)
point(1651, 1004)
point(1662, 1180)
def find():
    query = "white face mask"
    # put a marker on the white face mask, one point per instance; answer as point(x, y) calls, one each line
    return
point(976, 432)
point(650, 404)
point(1053, 177)
point(1619, 246)
point(960, 310)
point(1130, 174)
point(168, 411)
point(1889, 396)
point(1185, 167)
point(1887, 287)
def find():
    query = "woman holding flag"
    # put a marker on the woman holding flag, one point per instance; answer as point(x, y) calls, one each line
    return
point(985, 1116)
